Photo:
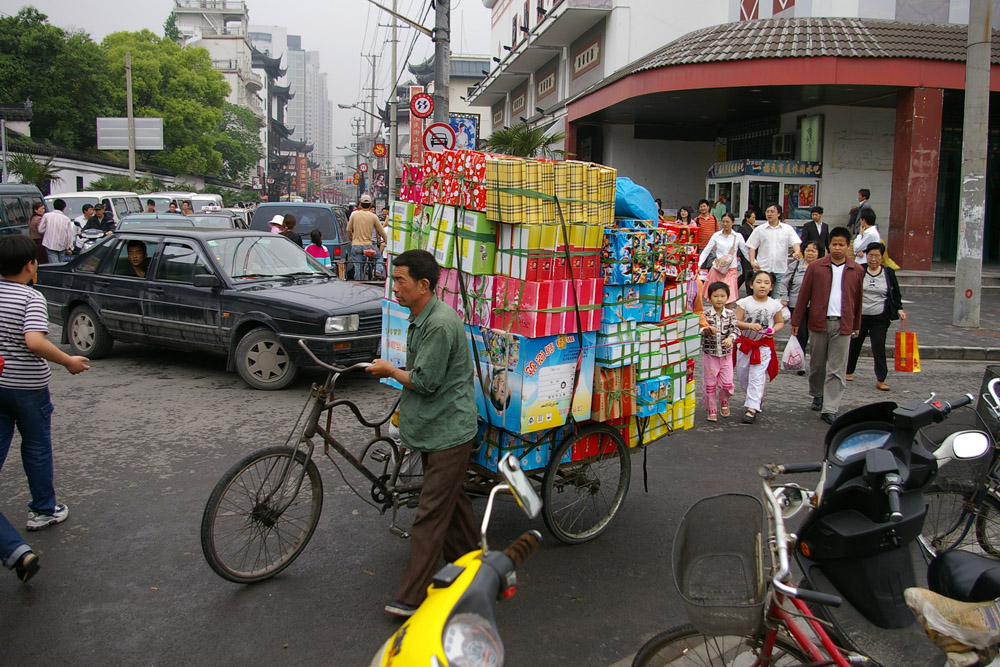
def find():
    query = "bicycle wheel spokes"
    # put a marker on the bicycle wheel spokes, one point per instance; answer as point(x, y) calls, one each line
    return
point(948, 521)
point(686, 647)
point(248, 533)
point(581, 497)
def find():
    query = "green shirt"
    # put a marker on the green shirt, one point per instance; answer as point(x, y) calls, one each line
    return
point(440, 411)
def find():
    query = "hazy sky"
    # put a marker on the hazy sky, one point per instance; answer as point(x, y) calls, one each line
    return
point(341, 30)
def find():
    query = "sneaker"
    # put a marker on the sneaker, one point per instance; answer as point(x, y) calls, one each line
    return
point(712, 417)
point(26, 566)
point(37, 521)
point(397, 608)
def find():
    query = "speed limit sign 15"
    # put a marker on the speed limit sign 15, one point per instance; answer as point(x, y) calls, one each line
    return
point(422, 105)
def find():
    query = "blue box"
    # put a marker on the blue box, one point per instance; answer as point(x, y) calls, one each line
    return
point(527, 383)
point(534, 450)
point(395, 324)
point(650, 301)
point(651, 397)
point(620, 304)
point(616, 257)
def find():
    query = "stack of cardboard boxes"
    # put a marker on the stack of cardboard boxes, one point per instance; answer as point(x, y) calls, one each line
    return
point(524, 249)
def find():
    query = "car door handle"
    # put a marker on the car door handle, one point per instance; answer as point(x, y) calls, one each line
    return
point(102, 283)
point(155, 290)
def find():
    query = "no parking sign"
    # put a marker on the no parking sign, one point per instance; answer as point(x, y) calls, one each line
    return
point(439, 137)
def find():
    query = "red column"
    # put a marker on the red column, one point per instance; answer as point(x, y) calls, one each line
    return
point(569, 145)
point(915, 160)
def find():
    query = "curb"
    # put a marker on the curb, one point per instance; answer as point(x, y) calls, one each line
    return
point(935, 352)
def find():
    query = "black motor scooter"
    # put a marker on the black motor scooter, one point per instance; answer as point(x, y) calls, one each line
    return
point(860, 539)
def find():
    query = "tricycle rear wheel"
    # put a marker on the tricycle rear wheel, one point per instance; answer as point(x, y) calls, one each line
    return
point(579, 498)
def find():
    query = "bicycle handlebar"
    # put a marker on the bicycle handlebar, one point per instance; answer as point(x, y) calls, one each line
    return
point(519, 550)
point(809, 596)
point(331, 367)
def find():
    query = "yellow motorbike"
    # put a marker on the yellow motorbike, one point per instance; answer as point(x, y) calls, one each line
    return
point(455, 625)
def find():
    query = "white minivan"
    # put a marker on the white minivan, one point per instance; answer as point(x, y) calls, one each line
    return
point(119, 203)
point(198, 200)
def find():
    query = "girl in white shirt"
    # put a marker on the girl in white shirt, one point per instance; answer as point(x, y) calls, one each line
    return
point(726, 267)
point(759, 318)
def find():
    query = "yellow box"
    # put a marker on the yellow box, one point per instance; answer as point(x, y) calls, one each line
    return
point(657, 427)
point(539, 178)
point(501, 174)
point(577, 176)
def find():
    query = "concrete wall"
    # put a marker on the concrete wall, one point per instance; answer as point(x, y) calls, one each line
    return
point(673, 171)
point(857, 153)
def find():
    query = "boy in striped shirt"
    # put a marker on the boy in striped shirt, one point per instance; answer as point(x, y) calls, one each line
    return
point(24, 395)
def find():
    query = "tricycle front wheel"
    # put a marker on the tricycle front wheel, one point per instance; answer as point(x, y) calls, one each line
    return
point(579, 498)
point(249, 530)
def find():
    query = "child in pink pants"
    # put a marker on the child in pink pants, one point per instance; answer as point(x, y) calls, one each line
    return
point(718, 333)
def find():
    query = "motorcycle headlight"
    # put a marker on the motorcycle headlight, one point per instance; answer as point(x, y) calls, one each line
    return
point(341, 324)
point(469, 639)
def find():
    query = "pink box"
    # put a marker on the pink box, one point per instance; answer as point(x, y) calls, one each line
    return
point(476, 307)
point(546, 308)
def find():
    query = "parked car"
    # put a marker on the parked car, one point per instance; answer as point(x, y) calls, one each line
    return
point(327, 218)
point(16, 201)
point(220, 219)
point(248, 295)
point(244, 214)
point(119, 203)
point(158, 220)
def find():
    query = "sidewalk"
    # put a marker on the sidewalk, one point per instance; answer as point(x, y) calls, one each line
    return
point(929, 315)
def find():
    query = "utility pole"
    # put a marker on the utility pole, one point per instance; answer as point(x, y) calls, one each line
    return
point(3, 148)
point(393, 113)
point(975, 140)
point(359, 124)
point(371, 119)
point(442, 59)
point(131, 118)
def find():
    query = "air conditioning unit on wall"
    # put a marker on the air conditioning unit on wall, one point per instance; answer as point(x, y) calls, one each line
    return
point(783, 144)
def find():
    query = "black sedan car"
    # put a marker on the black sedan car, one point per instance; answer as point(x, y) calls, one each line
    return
point(249, 295)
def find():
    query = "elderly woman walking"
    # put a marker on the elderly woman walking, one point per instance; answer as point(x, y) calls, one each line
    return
point(881, 303)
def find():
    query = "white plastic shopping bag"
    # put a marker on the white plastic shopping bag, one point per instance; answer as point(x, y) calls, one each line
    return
point(793, 359)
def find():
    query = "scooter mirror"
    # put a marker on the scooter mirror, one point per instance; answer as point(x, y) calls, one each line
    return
point(520, 486)
point(962, 445)
point(791, 499)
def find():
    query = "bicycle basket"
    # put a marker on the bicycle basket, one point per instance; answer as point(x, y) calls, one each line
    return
point(717, 564)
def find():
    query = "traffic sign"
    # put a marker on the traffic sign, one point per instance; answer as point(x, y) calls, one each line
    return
point(270, 180)
point(422, 105)
point(380, 150)
point(363, 167)
point(439, 137)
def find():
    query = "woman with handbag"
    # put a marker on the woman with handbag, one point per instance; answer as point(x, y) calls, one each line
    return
point(881, 303)
point(725, 245)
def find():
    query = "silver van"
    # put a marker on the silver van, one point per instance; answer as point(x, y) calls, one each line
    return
point(16, 202)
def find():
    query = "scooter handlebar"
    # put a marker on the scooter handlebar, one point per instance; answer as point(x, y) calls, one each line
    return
point(809, 596)
point(959, 402)
point(519, 550)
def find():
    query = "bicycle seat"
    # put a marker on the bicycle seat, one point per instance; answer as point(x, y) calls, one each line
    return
point(965, 576)
point(955, 626)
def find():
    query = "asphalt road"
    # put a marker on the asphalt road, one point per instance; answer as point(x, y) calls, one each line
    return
point(142, 438)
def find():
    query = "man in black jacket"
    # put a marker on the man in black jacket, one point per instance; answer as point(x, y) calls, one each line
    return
point(816, 230)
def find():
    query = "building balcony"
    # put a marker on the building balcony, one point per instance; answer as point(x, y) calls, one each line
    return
point(251, 82)
point(216, 6)
point(557, 29)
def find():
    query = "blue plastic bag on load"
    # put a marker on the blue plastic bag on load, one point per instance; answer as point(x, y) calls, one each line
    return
point(634, 201)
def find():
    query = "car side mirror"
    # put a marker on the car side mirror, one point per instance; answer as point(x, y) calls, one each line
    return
point(206, 280)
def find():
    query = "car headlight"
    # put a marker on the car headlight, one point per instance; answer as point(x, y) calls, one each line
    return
point(341, 324)
point(469, 639)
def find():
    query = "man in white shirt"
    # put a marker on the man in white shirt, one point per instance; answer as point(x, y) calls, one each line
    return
point(58, 233)
point(869, 234)
point(769, 245)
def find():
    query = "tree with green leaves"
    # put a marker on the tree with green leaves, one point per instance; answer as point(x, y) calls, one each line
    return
point(238, 142)
point(170, 29)
point(32, 171)
point(61, 73)
point(176, 84)
point(523, 140)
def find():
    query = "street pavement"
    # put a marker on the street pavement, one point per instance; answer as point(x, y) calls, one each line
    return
point(142, 438)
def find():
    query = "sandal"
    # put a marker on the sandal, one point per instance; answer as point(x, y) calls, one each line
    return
point(749, 417)
point(712, 417)
point(724, 410)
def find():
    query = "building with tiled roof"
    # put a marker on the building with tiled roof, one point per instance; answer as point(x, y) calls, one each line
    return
point(763, 100)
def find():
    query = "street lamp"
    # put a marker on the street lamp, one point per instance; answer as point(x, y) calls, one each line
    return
point(356, 107)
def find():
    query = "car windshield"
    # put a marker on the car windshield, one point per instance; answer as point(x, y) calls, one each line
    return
point(265, 256)
point(213, 221)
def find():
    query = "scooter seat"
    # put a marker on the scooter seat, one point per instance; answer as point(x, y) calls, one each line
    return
point(964, 576)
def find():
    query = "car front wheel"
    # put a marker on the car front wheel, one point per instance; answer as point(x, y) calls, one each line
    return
point(262, 361)
point(87, 335)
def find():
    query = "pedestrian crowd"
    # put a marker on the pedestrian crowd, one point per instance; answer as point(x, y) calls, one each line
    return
point(831, 286)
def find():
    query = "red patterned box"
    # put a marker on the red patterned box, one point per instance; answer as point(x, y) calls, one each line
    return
point(587, 447)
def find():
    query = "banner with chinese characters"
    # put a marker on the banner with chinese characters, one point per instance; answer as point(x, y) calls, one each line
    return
point(749, 167)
